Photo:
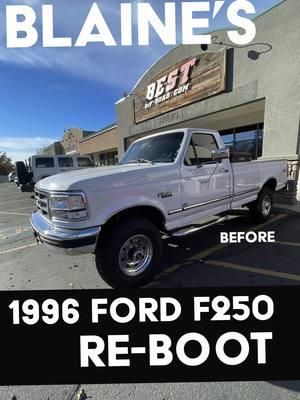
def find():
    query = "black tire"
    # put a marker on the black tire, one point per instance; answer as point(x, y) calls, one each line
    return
point(108, 255)
point(261, 209)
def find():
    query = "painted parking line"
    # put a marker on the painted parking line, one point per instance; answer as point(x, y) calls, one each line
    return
point(19, 209)
point(261, 271)
point(9, 190)
point(288, 243)
point(220, 246)
point(13, 201)
point(17, 248)
point(14, 213)
point(13, 228)
point(15, 233)
point(208, 252)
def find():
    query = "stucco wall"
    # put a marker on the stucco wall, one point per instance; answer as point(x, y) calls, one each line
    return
point(273, 77)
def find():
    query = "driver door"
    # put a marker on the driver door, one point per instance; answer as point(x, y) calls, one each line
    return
point(205, 183)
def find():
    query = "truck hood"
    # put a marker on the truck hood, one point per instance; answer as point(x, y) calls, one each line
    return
point(94, 179)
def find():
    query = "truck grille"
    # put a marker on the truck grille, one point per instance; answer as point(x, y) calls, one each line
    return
point(41, 201)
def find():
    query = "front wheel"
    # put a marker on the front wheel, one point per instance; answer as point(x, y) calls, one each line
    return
point(262, 208)
point(130, 255)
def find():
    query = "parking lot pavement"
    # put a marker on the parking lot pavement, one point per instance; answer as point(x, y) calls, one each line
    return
point(198, 260)
point(24, 265)
point(15, 209)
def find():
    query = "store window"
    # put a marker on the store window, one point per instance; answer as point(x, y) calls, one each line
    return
point(248, 139)
point(110, 158)
point(228, 139)
point(245, 141)
point(102, 160)
point(260, 138)
point(84, 162)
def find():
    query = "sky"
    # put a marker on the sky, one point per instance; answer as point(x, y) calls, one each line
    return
point(43, 91)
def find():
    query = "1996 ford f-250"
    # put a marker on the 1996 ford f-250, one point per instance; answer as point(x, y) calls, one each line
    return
point(175, 182)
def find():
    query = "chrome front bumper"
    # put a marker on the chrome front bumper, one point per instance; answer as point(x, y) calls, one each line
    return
point(70, 241)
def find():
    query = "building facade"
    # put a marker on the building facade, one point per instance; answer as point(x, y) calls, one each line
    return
point(55, 148)
point(102, 146)
point(71, 139)
point(250, 94)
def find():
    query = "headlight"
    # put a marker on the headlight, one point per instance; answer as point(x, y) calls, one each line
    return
point(68, 207)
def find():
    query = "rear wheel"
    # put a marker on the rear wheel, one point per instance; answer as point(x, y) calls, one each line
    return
point(262, 208)
point(130, 255)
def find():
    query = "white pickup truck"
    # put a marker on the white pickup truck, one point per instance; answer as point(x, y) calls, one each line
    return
point(175, 183)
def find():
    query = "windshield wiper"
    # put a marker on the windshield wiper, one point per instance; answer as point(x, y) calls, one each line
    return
point(140, 161)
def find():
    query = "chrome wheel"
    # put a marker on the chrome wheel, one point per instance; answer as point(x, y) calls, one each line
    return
point(266, 205)
point(135, 255)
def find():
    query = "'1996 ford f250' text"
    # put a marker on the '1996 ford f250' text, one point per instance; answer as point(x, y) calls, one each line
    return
point(175, 182)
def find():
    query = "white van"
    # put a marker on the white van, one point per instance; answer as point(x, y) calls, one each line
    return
point(40, 167)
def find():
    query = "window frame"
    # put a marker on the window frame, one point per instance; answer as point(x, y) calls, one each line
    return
point(44, 158)
point(199, 164)
point(65, 157)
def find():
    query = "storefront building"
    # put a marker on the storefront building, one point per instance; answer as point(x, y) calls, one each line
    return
point(71, 138)
point(102, 146)
point(250, 94)
point(54, 149)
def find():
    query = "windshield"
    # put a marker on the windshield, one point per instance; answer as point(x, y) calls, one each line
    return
point(156, 149)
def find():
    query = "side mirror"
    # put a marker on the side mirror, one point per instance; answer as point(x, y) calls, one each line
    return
point(220, 154)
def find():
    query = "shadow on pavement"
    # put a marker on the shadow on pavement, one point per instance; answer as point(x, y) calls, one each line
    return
point(27, 189)
point(289, 385)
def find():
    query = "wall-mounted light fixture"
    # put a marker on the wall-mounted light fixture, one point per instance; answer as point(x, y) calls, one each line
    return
point(252, 54)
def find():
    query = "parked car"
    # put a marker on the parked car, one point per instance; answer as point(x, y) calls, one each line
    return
point(11, 176)
point(40, 167)
point(176, 182)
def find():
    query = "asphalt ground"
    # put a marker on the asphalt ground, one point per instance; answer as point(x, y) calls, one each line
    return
point(198, 260)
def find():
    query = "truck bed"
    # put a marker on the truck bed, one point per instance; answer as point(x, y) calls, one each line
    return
point(249, 177)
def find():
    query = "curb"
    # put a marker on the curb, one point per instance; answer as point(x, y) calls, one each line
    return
point(289, 211)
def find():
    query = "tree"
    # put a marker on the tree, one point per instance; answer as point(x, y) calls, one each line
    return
point(41, 150)
point(6, 165)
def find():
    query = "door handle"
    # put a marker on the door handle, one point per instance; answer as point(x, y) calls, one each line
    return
point(224, 170)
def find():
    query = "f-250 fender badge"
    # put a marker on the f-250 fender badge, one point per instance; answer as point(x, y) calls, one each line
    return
point(164, 195)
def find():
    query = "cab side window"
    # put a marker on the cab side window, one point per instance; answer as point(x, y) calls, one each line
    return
point(190, 158)
point(200, 149)
point(204, 145)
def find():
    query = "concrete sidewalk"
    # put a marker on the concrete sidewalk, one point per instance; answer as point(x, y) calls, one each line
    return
point(287, 208)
